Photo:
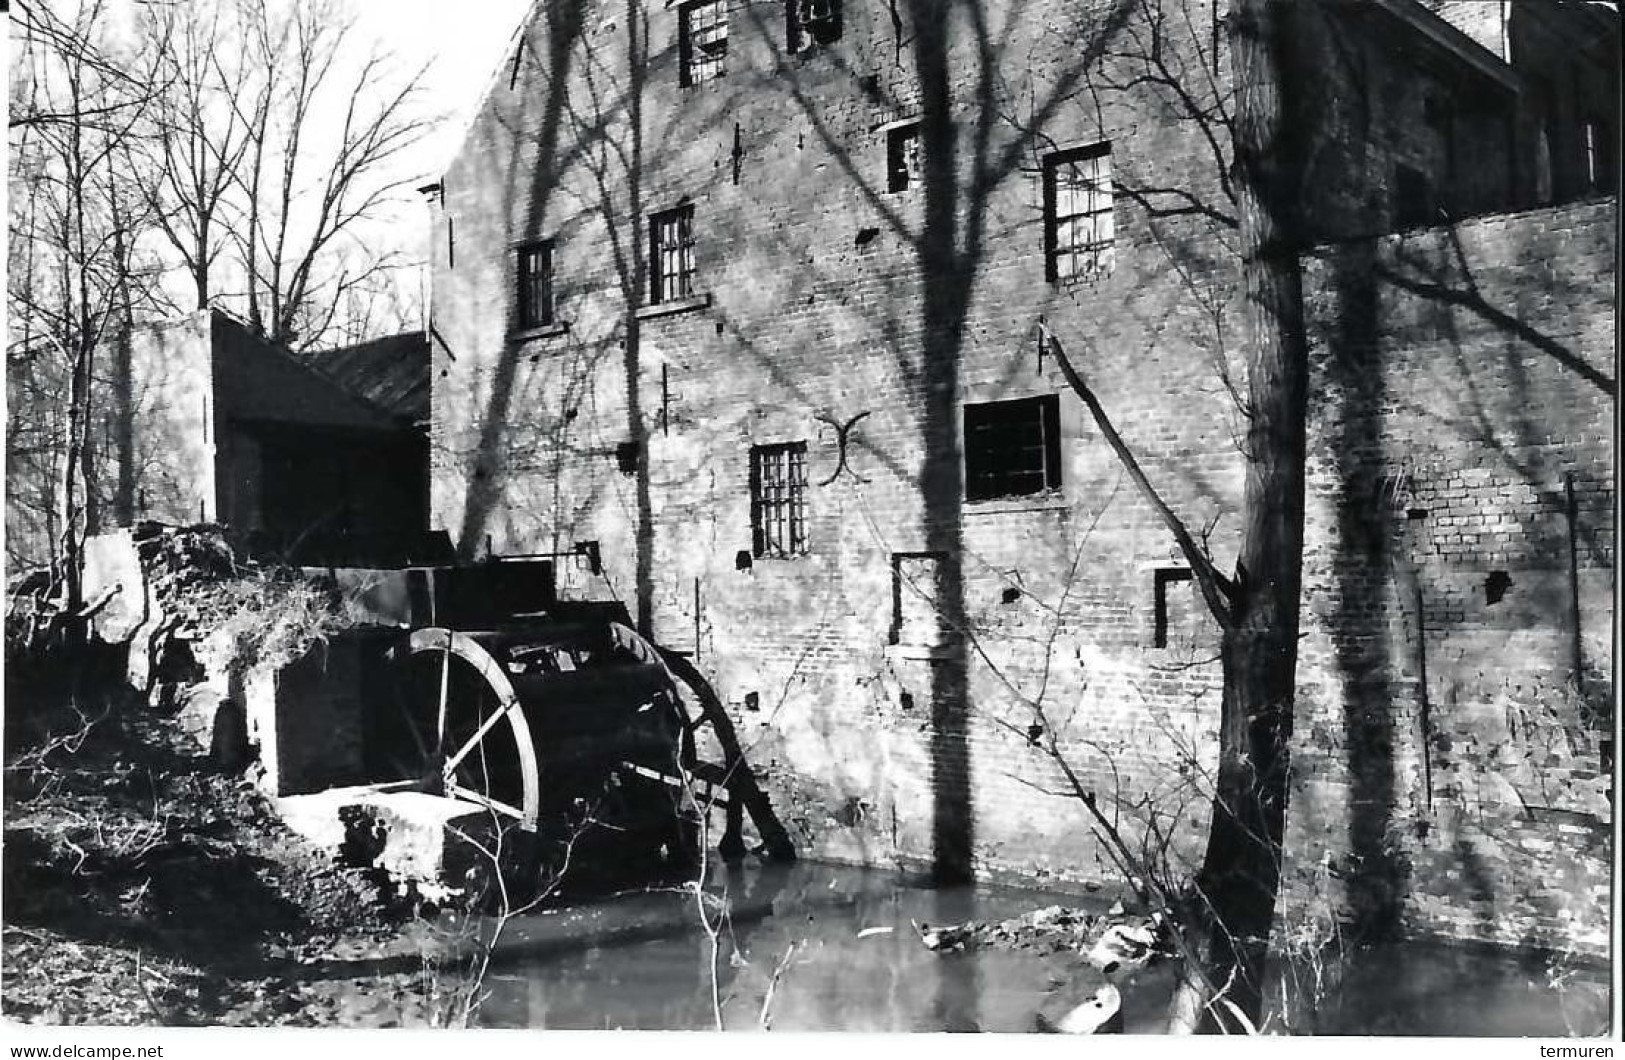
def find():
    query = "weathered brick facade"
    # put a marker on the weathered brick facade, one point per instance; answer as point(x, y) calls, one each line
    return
point(817, 316)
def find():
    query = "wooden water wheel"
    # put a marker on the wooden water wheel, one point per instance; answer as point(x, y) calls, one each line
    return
point(546, 724)
point(460, 729)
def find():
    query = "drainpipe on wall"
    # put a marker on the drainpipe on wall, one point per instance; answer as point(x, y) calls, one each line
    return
point(1571, 510)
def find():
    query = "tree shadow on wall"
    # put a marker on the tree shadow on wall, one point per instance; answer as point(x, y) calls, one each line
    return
point(955, 60)
point(1489, 400)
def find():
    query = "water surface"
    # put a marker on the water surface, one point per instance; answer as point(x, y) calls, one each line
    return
point(848, 957)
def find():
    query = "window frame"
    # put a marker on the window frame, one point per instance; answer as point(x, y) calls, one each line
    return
point(698, 68)
point(778, 500)
point(681, 218)
point(900, 177)
point(1100, 251)
point(801, 35)
point(528, 315)
point(1163, 582)
point(983, 481)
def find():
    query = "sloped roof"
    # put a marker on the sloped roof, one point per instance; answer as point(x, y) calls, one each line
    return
point(391, 373)
point(261, 381)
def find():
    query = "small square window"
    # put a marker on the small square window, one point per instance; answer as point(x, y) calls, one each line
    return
point(778, 500)
point(1079, 225)
point(703, 40)
point(903, 168)
point(535, 303)
point(671, 255)
point(1012, 448)
point(811, 22)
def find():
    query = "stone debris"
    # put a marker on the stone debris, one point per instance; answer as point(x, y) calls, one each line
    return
point(1124, 947)
point(1111, 943)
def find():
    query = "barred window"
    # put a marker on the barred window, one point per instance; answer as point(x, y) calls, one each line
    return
point(778, 500)
point(1012, 448)
point(535, 308)
point(703, 39)
point(671, 255)
point(1078, 218)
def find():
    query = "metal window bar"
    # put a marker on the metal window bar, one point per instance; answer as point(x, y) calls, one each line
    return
point(671, 255)
point(778, 477)
point(1012, 448)
point(704, 40)
point(1082, 224)
point(536, 285)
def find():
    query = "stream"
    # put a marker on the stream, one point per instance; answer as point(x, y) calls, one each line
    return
point(848, 958)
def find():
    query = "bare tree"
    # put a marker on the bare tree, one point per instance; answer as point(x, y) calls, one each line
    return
point(201, 135)
point(304, 187)
point(1256, 609)
point(83, 103)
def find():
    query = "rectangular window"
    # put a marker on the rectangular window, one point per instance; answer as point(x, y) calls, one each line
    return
point(1413, 198)
point(1012, 448)
point(903, 167)
point(703, 39)
point(811, 22)
point(1170, 610)
point(671, 255)
point(1078, 220)
point(535, 285)
point(778, 500)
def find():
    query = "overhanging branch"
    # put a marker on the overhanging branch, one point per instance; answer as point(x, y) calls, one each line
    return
point(1216, 589)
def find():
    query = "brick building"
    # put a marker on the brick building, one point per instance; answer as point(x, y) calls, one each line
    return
point(746, 293)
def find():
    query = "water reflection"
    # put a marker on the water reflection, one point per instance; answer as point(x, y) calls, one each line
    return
point(855, 962)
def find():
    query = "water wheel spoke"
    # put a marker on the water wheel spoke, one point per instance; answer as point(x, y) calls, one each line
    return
point(479, 734)
point(440, 713)
point(458, 791)
point(385, 786)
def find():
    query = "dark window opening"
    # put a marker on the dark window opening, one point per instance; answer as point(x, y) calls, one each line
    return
point(903, 168)
point(1012, 448)
point(535, 285)
point(703, 40)
point(671, 255)
point(451, 243)
point(778, 500)
point(1441, 118)
point(1079, 224)
point(810, 22)
point(1496, 586)
point(1160, 610)
point(1413, 198)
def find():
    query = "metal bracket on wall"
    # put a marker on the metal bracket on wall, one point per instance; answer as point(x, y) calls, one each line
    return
point(842, 432)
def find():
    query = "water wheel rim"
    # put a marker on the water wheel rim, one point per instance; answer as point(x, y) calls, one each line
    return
point(449, 643)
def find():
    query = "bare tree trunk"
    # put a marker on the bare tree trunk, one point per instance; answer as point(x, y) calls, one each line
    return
point(123, 380)
point(1241, 870)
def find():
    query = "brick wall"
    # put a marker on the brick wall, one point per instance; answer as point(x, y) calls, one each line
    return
point(817, 313)
point(1461, 561)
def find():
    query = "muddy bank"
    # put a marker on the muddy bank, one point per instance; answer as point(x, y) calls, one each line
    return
point(144, 886)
